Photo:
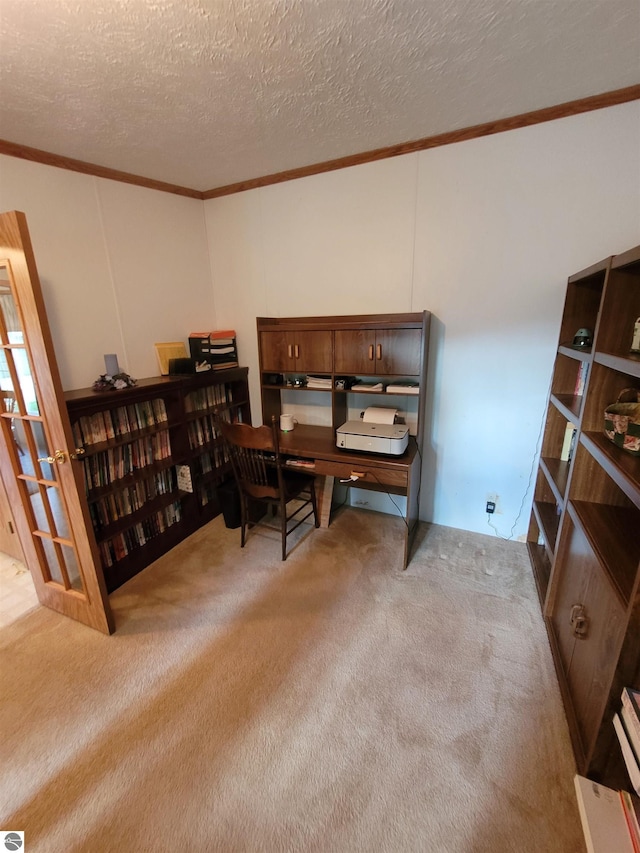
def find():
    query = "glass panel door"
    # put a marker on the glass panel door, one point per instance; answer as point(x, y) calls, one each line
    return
point(38, 465)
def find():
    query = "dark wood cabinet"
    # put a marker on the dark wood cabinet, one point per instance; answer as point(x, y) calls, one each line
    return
point(153, 461)
point(301, 351)
point(361, 360)
point(359, 345)
point(584, 533)
point(380, 352)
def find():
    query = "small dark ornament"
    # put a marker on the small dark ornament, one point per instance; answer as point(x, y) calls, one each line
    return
point(582, 339)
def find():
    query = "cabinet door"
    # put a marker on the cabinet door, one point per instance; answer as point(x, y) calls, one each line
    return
point(398, 351)
point(313, 352)
point(379, 352)
point(590, 648)
point(277, 351)
point(355, 351)
point(296, 352)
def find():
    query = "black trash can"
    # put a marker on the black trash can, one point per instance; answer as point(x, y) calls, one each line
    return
point(229, 498)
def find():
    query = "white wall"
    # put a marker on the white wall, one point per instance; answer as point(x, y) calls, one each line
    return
point(484, 234)
point(121, 267)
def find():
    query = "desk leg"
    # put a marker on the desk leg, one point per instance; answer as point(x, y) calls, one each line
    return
point(325, 496)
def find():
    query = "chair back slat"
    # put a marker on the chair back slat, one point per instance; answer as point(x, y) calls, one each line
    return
point(253, 452)
point(255, 457)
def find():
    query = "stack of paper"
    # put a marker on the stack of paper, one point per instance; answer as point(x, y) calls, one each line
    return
point(319, 383)
point(368, 386)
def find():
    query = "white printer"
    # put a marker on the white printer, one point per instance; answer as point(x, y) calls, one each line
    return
point(375, 432)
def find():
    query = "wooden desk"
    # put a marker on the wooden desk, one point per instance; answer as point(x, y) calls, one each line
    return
point(398, 475)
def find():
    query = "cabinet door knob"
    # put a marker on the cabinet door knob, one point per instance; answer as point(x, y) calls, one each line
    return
point(290, 350)
point(379, 352)
point(581, 628)
point(576, 611)
point(371, 352)
point(297, 351)
point(579, 621)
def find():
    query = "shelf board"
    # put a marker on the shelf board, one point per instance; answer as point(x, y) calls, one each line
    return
point(622, 467)
point(150, 507)
point(582, 354)
point(614, 534)
point(557, 474)
point(144, 473)
point(569, 405)
point(541, 565)
point(549, 522)
point(629, 364)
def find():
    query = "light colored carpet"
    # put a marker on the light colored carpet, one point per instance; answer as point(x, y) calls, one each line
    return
point(328, 703)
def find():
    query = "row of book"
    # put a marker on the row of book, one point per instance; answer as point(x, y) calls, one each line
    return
point(610, 819)
point(204, 430)
point(217, 457)
point(119, 504)
point(627, 726)
point(568, 443)
point(113, 464)
point(581, 378)
point(108, 424)
point(207, 398)
point(119, 546)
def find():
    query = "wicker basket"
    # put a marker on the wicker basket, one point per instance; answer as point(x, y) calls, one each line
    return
point(622, 421)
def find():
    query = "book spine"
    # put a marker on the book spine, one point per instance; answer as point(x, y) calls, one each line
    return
point(631, 717)
point(567, 442)
point(632, 819)
point(628, 754)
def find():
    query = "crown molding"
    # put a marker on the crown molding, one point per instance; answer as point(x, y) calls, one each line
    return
point(570, 108)
point(36, 155)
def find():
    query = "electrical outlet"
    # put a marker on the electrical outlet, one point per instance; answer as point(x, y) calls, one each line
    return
point(494, 499)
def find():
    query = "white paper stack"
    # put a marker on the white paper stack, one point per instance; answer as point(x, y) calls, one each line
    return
point(319, 382)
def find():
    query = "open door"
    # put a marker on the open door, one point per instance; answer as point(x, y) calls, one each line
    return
point(40, 467)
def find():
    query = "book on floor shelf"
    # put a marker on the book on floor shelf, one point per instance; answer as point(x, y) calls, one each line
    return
point(568, 442)
point(630, 757)
point(631, 716)
point(604, 818)
point(631, 806)
point(581, 379)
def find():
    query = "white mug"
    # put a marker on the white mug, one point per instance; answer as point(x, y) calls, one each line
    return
point(287, 423)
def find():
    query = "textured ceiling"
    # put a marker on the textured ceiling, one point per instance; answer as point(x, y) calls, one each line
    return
point(205, 93)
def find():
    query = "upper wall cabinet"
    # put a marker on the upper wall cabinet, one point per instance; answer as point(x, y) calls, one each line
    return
point(381, 352)
point(300, 351)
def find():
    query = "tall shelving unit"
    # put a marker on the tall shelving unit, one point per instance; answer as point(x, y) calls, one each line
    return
point(584, 533)
point(153, 461)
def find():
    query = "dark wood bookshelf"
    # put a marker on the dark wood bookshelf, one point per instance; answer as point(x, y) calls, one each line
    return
point(584, 530)
point(181, 512)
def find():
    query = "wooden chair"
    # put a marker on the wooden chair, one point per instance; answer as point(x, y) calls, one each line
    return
point(262, 477)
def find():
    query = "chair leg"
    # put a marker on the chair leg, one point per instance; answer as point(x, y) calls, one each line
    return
point(243, 519)
point(283, 527)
